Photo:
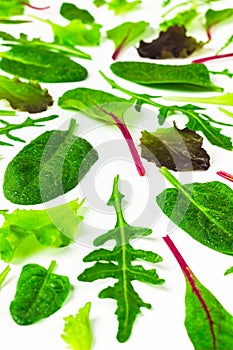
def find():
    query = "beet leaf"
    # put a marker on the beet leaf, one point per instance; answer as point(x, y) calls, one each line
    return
point(119, 264)
point(208, 324)
point(214, 17)
point(179, 150)
point(125, 34)
point(102, 105)
point(202, 201)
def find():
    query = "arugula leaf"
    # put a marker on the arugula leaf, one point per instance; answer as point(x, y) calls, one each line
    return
point(10, 40)
point(71, 11)
point(24, 231)
point(183, 18)
point(152, 74)
point(23, 96)
point(197, 120)
point(125, 34)
point(8, 127)
point(213, 17)
point(4, 274)
point(171, 43)
point(223, 72)
point(39, 294)
point(117, 264)
point(49, 166)
point(178, 150)
point(40, 64)
point(226, 99)
point(202, 201)
point(208, 324)
point(77, 329)
point(102, 105)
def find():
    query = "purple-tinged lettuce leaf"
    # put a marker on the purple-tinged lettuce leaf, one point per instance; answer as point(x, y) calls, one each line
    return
point(208, 324)
point(213, 17)
point(172, 43)
point(125, 34)
point(178, 150)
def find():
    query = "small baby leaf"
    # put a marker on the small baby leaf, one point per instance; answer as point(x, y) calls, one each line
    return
point(172, 43)
point(39, 294)
point(49, 166)
point(125, 34)
point(71, 11)
point(118, 264)
point(153, 74)
point(183, 18)
point(203, 210)
point(179, 150)
point(29, 97)
point(121, 6)
point(214, 17)
point(77, 329)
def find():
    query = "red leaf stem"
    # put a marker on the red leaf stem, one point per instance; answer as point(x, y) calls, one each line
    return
point(225, 175)
point(210, 58)
point(35, 7)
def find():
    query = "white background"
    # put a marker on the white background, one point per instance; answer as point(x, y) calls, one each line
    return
point(162, 327)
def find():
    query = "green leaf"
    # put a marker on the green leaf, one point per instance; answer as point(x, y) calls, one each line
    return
point(213, 17)
point(225, 100)
point(99, 3)
point(4, 274)
point(125, 34)
point(223, 72)
point(208, 324)
point(77, 329)
point(230, 114)
point(39, 294)
point(122, 6)
point(118, 264)
point(23, 231)
point(152, 74)
point(229, 271)
point(179, 150)
point(227, 43)
point(49, 166)
point(40, 64)
point(13, 21)
point(203, 210)
point(23, 96)
point(71, 11)
point(172, 43)
point(8, 127)
point(10, 8)
point(183, 18)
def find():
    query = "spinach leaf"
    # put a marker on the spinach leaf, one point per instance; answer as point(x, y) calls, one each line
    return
point(71, 11)
point(125, 34)
point(171, 43)
point(77, 329)
point(153, 74)
point(25, 231)
point(183, 18)
point(226, 99)
point(10, 40)
point(39, 294)
point(179, 150)
point(203, 210)
point(42, 65)
point(197, 119)
point(214, 17)
point(49, 166)
point(208, 324)
point(102, 105)
point(118, 264)
point(8, 127)
point(23, 96)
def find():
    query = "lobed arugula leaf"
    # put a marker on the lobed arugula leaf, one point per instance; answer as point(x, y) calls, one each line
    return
point(125, 34)
point(208, 324)
point(71, 11)
point(77, 329)
point(197, 120)
point(8, 127)
point(49, 166)
point(35, 63)
point(117, 264)
point(102, 105)
point(29, 97)
point(214, 17)
point(179, 150)
point(27, 230)
point(153, 74)
point(201, 201)
point(39, 294)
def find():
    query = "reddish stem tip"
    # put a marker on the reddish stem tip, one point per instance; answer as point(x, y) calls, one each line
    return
point(225, 175)
point(210, 58)
point(35, 7)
